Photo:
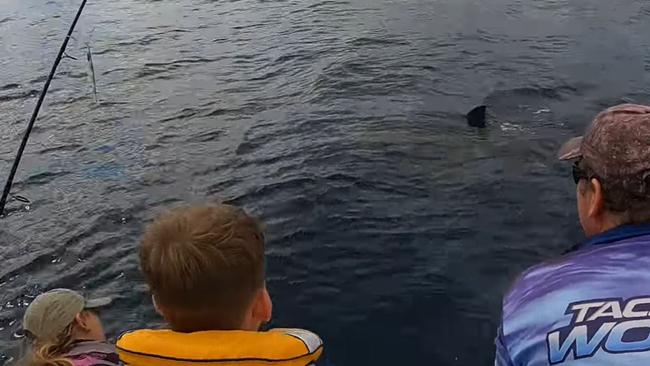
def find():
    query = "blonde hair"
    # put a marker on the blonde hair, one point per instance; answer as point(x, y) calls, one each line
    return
point(204, 264)
point(51, 352)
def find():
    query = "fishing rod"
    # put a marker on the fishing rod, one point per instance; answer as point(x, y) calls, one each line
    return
point(30, 125)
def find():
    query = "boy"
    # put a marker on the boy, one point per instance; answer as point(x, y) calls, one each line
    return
point(205, 268)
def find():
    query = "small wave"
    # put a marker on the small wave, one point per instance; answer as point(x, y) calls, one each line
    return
point(321, 4)
point(7, 239)
point(252, 144)
point(10, 86)
point(68, 101)
point(74, 75)
point(287, 58)
point(219, 112)
point(249, 26)
point(24, 264)
point(197, 60)
point(245, 110)
point(265, 160)
point(301, 183)
point(155, 68)
point(117, 69)
point(105, 51)
point(205, 136)
point(24, 95)
point(167, 30)
point(5, 20)
point(640, 98)
point(167, 138)
point(152, 37)
point(487, 36)
point(479, 35)
point(269, 75)
point(295, 235)
point(368, 41)
point(645, 9)
point(245, 57)
point(108, 104)
point(183, 114)
point(152, 147)
point(41, 178)
point(149, 71)
point(143, 41)
point(553, 44)
point(70, 147)
point(38, 80)
point(557, 93)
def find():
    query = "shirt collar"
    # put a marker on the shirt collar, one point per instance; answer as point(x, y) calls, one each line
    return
point(618, 234)
point(87, 346)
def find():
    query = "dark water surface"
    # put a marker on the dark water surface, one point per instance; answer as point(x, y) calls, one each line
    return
point(394, 228)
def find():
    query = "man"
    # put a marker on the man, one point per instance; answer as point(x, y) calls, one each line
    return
point(592, 306)
point(205, 265)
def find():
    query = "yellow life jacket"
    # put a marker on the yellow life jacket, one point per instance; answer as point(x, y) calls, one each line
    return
point(286, 347)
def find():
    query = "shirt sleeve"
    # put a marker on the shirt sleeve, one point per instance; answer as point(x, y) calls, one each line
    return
point(502, 357)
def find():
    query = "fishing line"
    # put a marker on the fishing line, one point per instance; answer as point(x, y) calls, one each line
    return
point(30, 125)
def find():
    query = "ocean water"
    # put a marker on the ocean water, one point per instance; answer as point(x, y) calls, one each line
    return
point(394, 228)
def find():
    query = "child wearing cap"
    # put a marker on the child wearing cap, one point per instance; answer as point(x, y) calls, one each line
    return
point(205, 269)
point(65, 330)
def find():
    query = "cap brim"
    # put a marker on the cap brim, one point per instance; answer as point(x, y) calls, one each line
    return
point(98, 303)
point(572, 149)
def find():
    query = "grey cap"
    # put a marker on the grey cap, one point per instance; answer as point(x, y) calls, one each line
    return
point(53, 311)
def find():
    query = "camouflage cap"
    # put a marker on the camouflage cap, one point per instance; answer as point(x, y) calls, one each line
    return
point(616, 146)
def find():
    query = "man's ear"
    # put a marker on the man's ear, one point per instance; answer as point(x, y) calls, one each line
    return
point(263, 306)
point(596, 198)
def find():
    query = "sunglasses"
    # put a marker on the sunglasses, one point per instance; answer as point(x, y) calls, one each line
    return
point(580, 174)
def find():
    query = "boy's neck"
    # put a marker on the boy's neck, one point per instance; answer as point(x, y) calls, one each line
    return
point(206, 327)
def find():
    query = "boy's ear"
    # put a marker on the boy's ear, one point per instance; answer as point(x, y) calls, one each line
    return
point(155, 306)
point(263, 306)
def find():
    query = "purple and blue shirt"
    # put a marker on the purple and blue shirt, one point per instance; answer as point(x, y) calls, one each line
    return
point(589, 307)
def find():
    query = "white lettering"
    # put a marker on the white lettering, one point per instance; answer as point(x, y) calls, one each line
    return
point(584, 308)
point(611, 309)
point(616, 344)
point(577, 341)
point(629, 311)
